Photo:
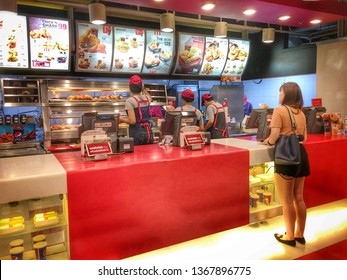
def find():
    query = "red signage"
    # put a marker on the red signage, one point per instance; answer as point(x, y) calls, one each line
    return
point(102, 148)
point(194, 139)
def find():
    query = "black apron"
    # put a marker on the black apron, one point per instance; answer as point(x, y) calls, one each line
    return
point(141, 130)
point(218, 129)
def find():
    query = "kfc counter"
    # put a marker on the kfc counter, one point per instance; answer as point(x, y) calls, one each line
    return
point(159, 196)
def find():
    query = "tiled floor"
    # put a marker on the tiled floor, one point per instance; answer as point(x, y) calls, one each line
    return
point(326, 225)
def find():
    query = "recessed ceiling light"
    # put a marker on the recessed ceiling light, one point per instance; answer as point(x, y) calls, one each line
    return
point(158, 0)
point(208, 5)
point(249, 12)
point(315, 21)
point(284, 18)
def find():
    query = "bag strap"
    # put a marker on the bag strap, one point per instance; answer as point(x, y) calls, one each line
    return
point(292, 120)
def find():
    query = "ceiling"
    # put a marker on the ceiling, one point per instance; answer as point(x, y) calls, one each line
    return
point(268, 11)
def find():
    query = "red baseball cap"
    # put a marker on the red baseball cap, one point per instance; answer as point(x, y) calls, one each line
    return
point(188, 93)
point(135, 80)
point(205, 97)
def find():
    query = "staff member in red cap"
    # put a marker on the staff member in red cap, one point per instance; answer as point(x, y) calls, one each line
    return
point(215, 117)
point(137, 107)
point(187, 99)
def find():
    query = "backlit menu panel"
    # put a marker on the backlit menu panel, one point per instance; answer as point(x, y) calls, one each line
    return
point(49, 44)
point(190, 54)
point(159, 49)
point(128, 50)
point(216, 51)
point(13, 41)
point(237, 58)
point(94, 47)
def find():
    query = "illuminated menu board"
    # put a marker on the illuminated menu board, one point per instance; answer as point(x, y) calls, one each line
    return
point(49, 44)
point(13, 41)
point(94, 47)
point(216, 50)
point(190, 54)
point(129, 46)
point(237, 58)
point(159, 49)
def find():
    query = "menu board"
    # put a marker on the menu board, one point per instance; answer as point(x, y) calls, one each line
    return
point(94, 47)
point(129, 48)
point(13, 41)
point(49, 43)
point(190, 54)
point(159, 48)
point(237, 58)
point(216, 51)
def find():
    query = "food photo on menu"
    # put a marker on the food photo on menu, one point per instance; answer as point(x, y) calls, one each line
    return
point(237, 57)
point(128, 50)
point(13, 41)
point(94, 45)
point(158, 57)
point(216, 51)
point(49, 43)
point(190, 54)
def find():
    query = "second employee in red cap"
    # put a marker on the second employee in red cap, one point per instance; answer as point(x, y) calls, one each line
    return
point(137, 107)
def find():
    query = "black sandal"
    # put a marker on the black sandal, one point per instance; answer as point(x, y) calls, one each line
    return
point(287, 242)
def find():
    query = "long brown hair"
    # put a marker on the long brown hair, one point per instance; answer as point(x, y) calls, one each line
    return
point(292, 95)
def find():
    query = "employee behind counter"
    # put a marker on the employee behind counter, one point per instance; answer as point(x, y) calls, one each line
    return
point(138, 110)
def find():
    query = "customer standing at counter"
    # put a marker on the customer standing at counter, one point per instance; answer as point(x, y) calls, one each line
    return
point(247, 106)
point(137, 107)
point(215, 117)
point(289, 179)
point(187, 99)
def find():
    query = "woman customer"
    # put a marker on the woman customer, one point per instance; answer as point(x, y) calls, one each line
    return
point(289, 179)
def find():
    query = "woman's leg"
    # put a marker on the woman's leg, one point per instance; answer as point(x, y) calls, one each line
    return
point(300, 206)
point(285, 187)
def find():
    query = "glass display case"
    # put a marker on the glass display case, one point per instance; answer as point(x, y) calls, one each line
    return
point(263, 199)
point(22, 223)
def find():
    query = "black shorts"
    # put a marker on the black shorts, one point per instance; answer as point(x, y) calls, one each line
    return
point(296, 171)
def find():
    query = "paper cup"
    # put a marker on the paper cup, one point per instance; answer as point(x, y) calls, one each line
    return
point(17, 253)
point(254, 200)
point(16, 243)
point(39, 238)
point(267, 198)
point(40, 250)
point(261, 195)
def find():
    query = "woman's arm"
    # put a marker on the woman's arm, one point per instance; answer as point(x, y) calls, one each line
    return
point(131, 118)
point(273, 137)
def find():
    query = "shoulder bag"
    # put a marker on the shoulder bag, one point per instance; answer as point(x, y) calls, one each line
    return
point(287, 147)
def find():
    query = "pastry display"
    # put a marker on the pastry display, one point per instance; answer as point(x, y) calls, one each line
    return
point(165, 55)
point(154, 46)
point(55, 127)
point(11, 225)
point(45, 219)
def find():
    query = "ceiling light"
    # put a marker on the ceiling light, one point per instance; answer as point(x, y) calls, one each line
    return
point(268, 35)
point(220, 29)
point(315, 21)
point(208, 5)
point(8, 6)
point(97, 13)
point(284, 18)
point(167, 22)
point(249, 12)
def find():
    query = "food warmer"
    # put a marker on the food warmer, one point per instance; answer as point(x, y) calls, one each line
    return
point(65, 101)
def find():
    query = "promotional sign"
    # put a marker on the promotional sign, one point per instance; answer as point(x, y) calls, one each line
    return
point(128, 50)
point(190, 54)
point(237, 58)
point(101, 148)
point(94, 47)
point(13, 41)
point(216, 51)
point(49, 43)
point(159, 49)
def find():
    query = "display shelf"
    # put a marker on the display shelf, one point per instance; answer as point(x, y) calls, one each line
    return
point(53, 252)
point(16, 92)
point(30, 228)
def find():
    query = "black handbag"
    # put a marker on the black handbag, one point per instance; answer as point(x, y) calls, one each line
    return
point(287, 147)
